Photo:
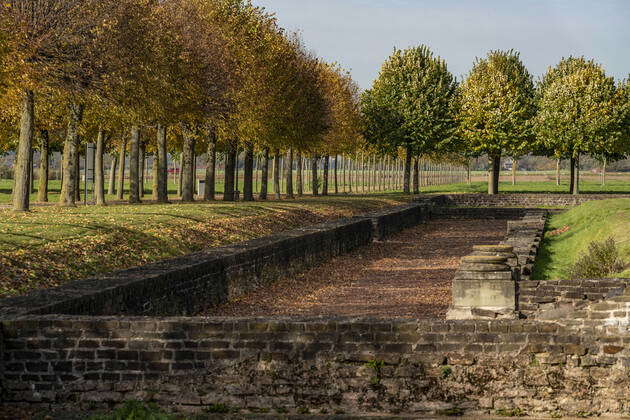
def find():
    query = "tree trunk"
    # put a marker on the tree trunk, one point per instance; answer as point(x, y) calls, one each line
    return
point(180, 175)
point(300, 181)
point(141, 168)
point(111, 190)
point(77, 176)
point(230, 163)
point(121, 169)
point(99, 176)
point(557, 171)
point(325, 175)
point(264, 175)
point(493, 182)
point(188, 175)
point(289, 174)
point(162, 165)
point(248, 172)
point(416, 176)
point(514, 169)
point(407, 171)
point(315, 181)
point(31, 171)
point(572, 175)
point(276, 173)
point(21, 186)
point(576, 183)
point(134, 165)
point(604, 172)
point(70, 183)
point(211, 165)
point(468, 178)
point(42, 189)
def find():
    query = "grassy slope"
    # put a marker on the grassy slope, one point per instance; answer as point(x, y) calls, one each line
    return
point(592, 221)
point(51, 245)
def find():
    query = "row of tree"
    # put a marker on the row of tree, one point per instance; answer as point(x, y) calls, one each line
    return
point(575, 109)
point(192, 76)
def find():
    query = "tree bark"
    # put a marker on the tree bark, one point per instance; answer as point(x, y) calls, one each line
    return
point(42, 189)
point(325, 175)
point(141, 167)
point(300, 181)
point(264, 175)
point(209, 191)
point(576, 183)
point(77, 176)
point(188, 176)
point(99, 176)
point(248, 173)
point(70, 183)
point(416, 176)
point(572, 175)
point(134, 165)
point(276, 173)
point(407, 171)
point(335, 173)
point(289, 174)
point(121, 169)
point(21, 186)
point(160, 169)
point(230, 164)
point(493, 183)
point(514, 169)
point(557, 171)
point(315, 181)
point(111, 190)
point(604, 171)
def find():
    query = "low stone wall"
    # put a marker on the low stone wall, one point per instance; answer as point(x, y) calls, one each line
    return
point(517, 200)
point(289, 365)
point(538, 296)
point(190, 284)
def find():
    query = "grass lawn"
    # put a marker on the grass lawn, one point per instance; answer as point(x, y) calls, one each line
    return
point(49, 245)
point(592, 221)
point(586, 187)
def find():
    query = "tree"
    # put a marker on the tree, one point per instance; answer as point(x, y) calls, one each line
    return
point(496, 109)
point(577, 112)
point(409, 105)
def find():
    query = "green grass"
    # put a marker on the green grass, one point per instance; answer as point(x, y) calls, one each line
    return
point(49, 245)
point(535, 187)
point(592, 221)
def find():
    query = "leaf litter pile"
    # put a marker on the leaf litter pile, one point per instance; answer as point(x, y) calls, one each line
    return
point(407, 276)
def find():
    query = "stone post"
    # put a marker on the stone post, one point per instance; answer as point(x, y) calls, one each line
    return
point(485, 286)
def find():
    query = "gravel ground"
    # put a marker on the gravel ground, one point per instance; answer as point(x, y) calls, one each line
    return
point(407, 276)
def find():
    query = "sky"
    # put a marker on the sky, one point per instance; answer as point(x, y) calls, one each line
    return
point(361, 34)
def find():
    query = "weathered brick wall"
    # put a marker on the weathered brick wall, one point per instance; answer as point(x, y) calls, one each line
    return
point(351, 366)
point(537, 296)
point(518, 200)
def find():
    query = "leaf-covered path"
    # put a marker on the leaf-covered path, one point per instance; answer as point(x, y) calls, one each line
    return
point(408, 275)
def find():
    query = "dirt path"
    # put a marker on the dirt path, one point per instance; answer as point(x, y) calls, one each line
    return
point(407, 276)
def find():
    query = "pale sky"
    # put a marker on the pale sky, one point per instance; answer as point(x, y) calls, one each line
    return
point(361, 34)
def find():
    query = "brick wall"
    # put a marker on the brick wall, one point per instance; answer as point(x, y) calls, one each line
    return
point(351, 366)
point(518, 200)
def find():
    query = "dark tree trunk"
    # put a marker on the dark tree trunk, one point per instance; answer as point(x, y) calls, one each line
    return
point(230, 164)
point(325, 181)
point(289, 174)
point(300, 181)
point(141, 168)
point(21, 186)
point(493, 184)
point(160, 162)
point(70, 183)
point(134, 165)
point(44, 152)
point(77, 176)
point(416, 176)
point(572, 176)
point(335, 173)
point(576, 183)
point(407, 172)
point(188, 176)
point(315, 181)
point(211, 168)
point(276, 174)
point(112, 176)
point(248, 174)
point(264, 175)
point(99, 176)
point(121, 169)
